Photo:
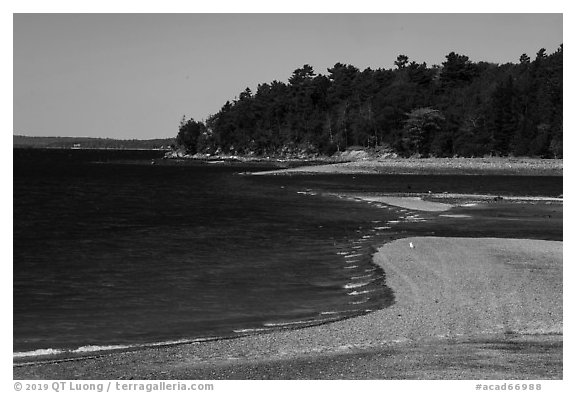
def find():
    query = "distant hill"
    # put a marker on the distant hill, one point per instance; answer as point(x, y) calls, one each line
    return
point(90, 143)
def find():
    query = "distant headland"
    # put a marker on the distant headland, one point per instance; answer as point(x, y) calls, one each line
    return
point(57, 142)
point(460, 108)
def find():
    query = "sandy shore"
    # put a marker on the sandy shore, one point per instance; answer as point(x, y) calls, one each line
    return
point(465, 309)
point(412, 203)
point(435, 202)
point(437, 166)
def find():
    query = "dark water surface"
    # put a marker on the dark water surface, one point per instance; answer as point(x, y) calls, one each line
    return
point(123, 253)
point(545, 186)
point(115, 254)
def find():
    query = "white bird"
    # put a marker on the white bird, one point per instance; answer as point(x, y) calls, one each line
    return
point(411, 245)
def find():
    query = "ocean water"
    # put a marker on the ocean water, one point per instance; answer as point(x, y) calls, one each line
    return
point(111, 252)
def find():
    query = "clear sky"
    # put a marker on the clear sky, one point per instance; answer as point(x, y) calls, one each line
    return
point(136, 75)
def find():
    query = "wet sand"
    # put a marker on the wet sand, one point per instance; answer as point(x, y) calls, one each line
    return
point(412, 203)
point(465, 309)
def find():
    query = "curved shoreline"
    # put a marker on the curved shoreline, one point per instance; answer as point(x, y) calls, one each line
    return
point(451, 293)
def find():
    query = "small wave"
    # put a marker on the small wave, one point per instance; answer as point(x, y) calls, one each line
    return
point(352, 255)
point(251, 330)
point(343, 252)
point(38, 352)
point(181, 341)
point(87, 349)
point(351, 267)
point(360, 301)
point(381, 228)
point(356, 285)
point(98, 348)
point(356, 293)
point(393, 222)
point(329, 312)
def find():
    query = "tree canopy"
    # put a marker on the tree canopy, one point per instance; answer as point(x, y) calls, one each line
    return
point(189, 134)
point(460, 108)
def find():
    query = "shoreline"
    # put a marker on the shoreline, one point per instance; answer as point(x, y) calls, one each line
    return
point(435, 202)
point(412, 328)
point(432, 166)
point(440, 306)
point(349, 341)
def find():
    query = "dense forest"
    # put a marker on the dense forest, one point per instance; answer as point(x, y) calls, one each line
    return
point(460, 108)
point(89, 143)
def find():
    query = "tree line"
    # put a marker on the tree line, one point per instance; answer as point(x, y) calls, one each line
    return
point(21, 141)
point(460, 108)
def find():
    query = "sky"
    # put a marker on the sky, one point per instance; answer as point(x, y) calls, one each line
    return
point(135, 75)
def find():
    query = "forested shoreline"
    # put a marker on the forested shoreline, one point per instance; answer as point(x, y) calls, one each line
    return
point(458, 109)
